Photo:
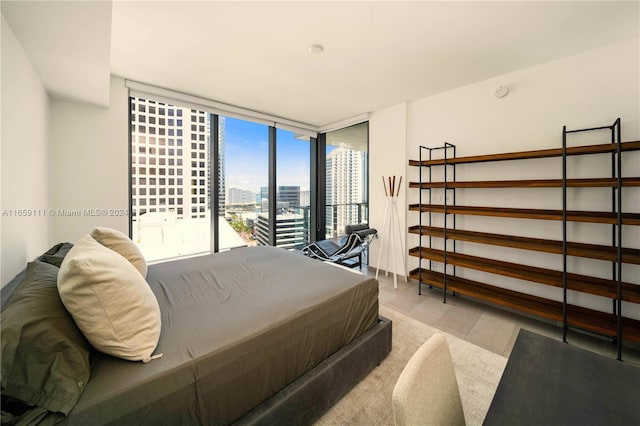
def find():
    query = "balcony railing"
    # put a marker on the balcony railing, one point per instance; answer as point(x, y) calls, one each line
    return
point(340, 215)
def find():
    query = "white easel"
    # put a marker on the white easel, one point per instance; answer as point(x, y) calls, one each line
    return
point(391, 222)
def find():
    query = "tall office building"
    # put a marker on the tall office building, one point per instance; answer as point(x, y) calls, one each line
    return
point(221, 169)
point(289, 195)
point(170, 156)
point(240, 196)
point(287, 199)
point(264, 198)
point(305, 198)
point(292, 219)
point(290, 230)
point(346, 189)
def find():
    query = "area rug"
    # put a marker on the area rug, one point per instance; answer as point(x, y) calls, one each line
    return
point(478, 372)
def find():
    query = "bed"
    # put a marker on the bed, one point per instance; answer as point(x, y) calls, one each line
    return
point(255, 335)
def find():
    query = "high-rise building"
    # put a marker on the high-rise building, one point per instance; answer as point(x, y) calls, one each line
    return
point(221, 163)
point(346, 189)
point(290, 230)
point(170, 159)
point(199, 132)
point(240, 196)
point(289, 195)
point(305, 198)
point(292, 219)
point(264, 198)
point(161, 168)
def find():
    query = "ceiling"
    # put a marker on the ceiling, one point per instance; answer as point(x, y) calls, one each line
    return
point(255, 55)
point(68, 44)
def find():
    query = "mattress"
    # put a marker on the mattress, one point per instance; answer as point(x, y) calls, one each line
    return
point(237, 327)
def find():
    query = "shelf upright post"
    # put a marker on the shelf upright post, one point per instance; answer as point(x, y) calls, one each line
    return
point(618, 140)
point(564, 234)
point(616, 208)
point(420, 227)
point(444, 243)
point(420, 216)
point(420, 220)
point(430, 201)
point(616, 229)
point(614, 265)
point(453, 203)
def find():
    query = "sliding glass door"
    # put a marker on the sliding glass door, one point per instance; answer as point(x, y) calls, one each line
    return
point(347, 173)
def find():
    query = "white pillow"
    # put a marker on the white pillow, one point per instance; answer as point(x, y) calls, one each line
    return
point(110, 301)
point(120, 243)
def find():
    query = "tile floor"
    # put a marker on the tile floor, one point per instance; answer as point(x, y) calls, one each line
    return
point(492, 328)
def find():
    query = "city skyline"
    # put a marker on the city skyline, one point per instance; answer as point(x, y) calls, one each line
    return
point(247, 153)
point(171, 166)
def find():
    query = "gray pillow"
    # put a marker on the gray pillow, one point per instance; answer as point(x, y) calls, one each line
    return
point(45, 357)
point(55, 255)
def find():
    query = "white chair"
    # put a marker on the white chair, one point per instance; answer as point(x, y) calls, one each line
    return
point(426, 392)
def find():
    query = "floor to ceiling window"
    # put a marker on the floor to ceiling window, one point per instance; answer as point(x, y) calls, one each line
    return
point(347, 170)
point(202, 182)
point(244, 154)
point(170, 187)
point(293, 189)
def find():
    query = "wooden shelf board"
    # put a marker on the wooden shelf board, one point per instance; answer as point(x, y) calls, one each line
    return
point(592, 251)
point(573, 215)
point(522, 155)
point(587, 319)
point(583, 283)
point(531, 183)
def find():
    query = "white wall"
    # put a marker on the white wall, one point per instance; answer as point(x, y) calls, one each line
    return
point(90, 157)
point(25, 163)
point(387, 157)
point(585, 90)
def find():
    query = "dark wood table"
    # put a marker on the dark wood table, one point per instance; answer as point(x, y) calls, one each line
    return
point(548, 382)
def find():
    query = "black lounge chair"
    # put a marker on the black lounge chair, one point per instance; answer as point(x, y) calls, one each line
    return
point(347, 250)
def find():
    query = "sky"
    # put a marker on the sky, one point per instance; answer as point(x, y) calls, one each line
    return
point(247, 156)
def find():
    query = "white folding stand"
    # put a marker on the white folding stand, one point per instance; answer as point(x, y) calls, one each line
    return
point(390, 225)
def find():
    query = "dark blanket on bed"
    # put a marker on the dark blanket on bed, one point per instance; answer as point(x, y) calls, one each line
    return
point(237, 327)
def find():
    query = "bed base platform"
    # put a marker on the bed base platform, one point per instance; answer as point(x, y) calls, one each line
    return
point(308, 398)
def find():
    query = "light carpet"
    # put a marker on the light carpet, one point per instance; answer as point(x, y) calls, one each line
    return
point(478, 372)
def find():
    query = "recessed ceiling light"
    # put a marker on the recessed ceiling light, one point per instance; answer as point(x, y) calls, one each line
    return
point(316, 49)
point(502, 91)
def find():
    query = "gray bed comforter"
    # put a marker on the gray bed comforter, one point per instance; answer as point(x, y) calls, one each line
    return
point(237, 327)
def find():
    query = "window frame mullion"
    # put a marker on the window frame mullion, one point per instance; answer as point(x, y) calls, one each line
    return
point(273, 188)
